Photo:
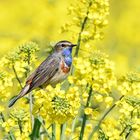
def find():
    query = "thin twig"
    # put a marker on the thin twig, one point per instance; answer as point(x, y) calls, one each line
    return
point(2, 117)
point(15, 72)
point(128, 134)
point(53, 131)
point(20, 126)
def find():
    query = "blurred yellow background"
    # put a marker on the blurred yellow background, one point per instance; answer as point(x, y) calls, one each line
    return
point(40, 21)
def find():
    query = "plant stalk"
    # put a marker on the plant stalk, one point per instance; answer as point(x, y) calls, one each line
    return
point(85, 116)
point(30, 109)
point(62, 132)
point(80, 33)
point(30, 96)
point(20, 126)
point(53, 131)
point(72, 128)
point(15, 72)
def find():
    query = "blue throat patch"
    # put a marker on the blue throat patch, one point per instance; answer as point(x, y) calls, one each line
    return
point(67, 56)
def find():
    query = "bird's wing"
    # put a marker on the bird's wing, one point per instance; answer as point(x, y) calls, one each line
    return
point(44, 72)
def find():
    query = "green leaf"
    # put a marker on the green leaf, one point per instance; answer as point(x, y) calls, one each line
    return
point(36, 129)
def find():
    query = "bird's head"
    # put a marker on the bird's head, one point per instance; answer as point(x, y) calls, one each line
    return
point(64, 45)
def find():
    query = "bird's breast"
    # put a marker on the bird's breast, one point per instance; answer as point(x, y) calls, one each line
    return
point(61, 74)
point(64, 68)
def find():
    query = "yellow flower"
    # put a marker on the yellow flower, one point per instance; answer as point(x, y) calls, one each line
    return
point(2, 108)
point(68, 131)
point(89, 127)
point(88, 111)
point(108, 101)
point(98, 98)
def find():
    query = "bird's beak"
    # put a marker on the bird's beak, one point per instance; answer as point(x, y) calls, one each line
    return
point(73, 45)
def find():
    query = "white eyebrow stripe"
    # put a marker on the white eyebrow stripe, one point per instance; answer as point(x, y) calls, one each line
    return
point(66, 43)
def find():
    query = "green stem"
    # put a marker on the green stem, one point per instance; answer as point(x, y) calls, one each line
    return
point(53, 131)
point(82, 28)
point(2, 117)
point(72, 128)
point(128, 134)
point(83, 127)
point(62, 133)
point(15, 72)
point(30, 109)
point(80, 35)
point(20, 126)
point(102, 118)
point(30, 96)
point(29, 57)
point(85, 116)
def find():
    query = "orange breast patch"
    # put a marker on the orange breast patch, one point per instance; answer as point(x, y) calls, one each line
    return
point(64, 68)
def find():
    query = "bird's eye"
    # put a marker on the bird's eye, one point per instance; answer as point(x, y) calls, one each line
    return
point(63, 45)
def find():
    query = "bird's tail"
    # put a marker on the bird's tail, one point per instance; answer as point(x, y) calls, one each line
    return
point(12, 101)
point(23, 92)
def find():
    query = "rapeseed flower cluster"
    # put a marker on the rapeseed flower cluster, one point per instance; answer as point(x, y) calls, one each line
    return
point(129, 117)
point(20, 59)
point(88, 13)
point(110, 129)
point(17, 125)
point(56, 105)
point(5, 85)
point(130, 84)
point(88, 17)
point(129, 87)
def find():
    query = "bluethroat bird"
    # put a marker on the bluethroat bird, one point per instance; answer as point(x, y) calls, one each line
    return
point(54, 69)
